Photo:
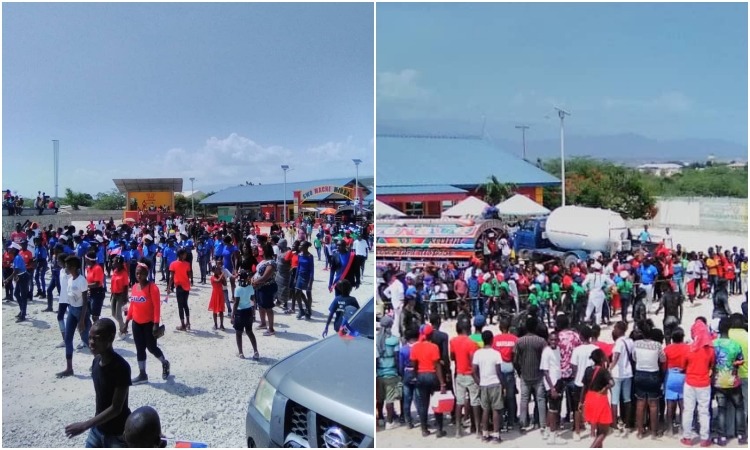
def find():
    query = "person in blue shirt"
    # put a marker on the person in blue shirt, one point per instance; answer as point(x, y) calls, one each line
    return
point(648, 273)
point(218, 247)
point(132, 256)
point(188, 245)
point(149, 252)
point(21, 277)
point(168, 256)
point(204, 256)
point(339, 305)
point(82, 247)
point(303, 283)
point(230, 254)
point(645, 236)
point(40, 257)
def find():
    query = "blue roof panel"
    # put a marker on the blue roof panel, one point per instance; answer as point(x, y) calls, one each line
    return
point(462, 161)
point(270, 193)
point(419, 189)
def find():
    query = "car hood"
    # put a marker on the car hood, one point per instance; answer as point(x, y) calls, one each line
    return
point(332, 377)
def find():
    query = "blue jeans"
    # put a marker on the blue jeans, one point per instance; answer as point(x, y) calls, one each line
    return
point(39, 274)
point(71, 325)
point(477, 306)
point(537, 387)
point(410, 391)
point(203, 266)
point(54, 283)
point(22, 292)
point(97, 439)
point(508, 381)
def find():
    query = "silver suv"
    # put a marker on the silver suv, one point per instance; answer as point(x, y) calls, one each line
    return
point(320, 396)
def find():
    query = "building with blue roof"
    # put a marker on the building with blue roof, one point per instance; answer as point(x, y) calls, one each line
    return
point(266, 201)
point(423, 175)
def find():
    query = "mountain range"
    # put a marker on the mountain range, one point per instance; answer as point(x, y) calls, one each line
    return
point(627, 148)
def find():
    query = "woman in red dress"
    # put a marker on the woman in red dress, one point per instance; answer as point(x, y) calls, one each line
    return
point(216, 303)
point(597, 381)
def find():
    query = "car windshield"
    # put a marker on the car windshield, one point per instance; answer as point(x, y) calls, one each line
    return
point(363, 321)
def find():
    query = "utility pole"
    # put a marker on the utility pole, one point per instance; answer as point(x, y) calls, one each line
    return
point(357, 162)
point(523, 129)
point(284, 168)
point(192, 196)
point(56, 162)
point(562, 113)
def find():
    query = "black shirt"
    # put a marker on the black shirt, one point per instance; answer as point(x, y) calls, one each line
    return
point(106, 380)
point(601, 381)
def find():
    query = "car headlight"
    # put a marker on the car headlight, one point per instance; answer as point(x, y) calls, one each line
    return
point(263, 400)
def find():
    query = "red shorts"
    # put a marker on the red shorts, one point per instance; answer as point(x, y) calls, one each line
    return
point(596, 409)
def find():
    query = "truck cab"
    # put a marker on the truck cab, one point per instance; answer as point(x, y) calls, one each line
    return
point(531, 235)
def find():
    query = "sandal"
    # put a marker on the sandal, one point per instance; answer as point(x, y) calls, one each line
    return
point(222, 328)
point(240, 355)
point(64, 373)
point(269, 333)
point(261, 327)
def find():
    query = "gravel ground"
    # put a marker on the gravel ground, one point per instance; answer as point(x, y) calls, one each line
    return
point(403, 437)
point(205, 399)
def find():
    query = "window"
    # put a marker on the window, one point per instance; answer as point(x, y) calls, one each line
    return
point(414, 209)
point(446, 204)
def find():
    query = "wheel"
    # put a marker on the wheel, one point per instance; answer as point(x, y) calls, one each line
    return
point(569, 259)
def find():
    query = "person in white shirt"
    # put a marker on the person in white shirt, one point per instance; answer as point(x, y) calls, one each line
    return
point(360, 248)
point(595, 283)
point(486, 372)
point(395, 293)
point(621, 370)
point(550, 366)
point(579, 361)
point(78, 314)
point(692, 275)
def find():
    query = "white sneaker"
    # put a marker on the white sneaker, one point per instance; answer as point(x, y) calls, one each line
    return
point(392, 425)
point(80, 345)
point(545, 433)
point(60, 345)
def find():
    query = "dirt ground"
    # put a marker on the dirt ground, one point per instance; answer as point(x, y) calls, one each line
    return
point(205, 399)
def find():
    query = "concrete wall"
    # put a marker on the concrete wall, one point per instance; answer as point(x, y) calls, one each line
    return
point(705, 213)
point(62, 218)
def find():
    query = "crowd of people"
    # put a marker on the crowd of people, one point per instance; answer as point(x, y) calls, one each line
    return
point(14, 204)
point(248, 272)
point(536, 329)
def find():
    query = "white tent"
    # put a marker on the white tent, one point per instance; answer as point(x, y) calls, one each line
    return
point(469, 207)
point(385, 210)
point(520, 205)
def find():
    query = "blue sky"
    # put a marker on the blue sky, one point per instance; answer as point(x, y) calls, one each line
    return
point(665, 71)
point(222, 92)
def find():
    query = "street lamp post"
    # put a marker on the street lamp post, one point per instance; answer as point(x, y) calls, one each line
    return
point(523, 129)
point(284, 168)
point(192, 197)
point(562, 113)
point(357, 162)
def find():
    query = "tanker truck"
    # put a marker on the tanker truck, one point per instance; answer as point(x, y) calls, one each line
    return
point(571, 233)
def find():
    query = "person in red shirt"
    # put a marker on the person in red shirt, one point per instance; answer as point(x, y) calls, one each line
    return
point(674, 385)
point(145, 313)
point(697, 366)
point(606, 347)
point(28, 259)
point(179, 281)
point(462, 349)
point(7, 271)
point(95, 279)
point(119, 289)
point(425, 357)
point(504, 343)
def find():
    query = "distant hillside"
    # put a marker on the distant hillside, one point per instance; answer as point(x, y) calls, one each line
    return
point(627, 148)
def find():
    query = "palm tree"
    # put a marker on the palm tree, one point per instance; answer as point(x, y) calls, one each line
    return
point(495, 191)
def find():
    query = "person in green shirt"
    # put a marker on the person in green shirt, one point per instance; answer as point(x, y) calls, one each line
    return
point(544, 303)
point(533, 298)
point(625, 288)
point(578, 297)
point(487, 292)
point(318, 245)
point(738, 334)
point(479, 323)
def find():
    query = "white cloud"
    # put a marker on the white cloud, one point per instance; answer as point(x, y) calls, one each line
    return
point(401, 85)
point(673, 101)
point(235, 159)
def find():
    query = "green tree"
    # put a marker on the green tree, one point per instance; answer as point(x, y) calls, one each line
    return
point(181, 205)
point(76, 199)
point(109, 200)
point(601, 184)
point(495, 192)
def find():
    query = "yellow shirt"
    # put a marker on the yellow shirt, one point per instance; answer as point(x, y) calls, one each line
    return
point(743, 267)
point(711, 265)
